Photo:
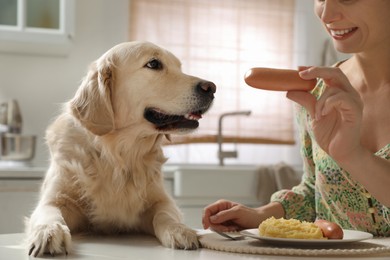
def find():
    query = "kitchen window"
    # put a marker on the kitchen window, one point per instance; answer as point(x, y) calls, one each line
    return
point(36, 26)
point(219, 41)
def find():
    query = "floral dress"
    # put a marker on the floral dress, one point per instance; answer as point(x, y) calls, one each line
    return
point(328, 192)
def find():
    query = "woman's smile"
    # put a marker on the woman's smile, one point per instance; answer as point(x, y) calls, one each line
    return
point(342, 34)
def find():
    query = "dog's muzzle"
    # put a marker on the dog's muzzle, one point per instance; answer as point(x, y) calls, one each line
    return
point(204, 93)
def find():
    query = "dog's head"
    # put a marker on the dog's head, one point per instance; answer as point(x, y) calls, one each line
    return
point(139, 83)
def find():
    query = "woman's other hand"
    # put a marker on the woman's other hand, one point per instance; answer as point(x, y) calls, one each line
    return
point(226, 216)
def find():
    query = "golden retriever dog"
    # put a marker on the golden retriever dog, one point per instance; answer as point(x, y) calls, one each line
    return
point(106, 151)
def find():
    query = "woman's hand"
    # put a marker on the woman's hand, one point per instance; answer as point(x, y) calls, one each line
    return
point(228, 216)
point(337, 115)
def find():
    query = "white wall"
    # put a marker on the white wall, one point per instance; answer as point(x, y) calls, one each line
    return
point(42, 83)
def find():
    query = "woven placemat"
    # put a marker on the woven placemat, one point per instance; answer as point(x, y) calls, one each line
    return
point(253, 246)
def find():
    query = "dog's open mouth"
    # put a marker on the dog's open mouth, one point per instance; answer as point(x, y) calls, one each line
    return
point(166, 122)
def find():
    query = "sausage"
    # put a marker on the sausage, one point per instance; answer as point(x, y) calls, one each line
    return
point(329, 229)
point(277, 79)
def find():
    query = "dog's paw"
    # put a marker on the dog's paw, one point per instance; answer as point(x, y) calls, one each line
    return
point(51, 239)
point(180, 237)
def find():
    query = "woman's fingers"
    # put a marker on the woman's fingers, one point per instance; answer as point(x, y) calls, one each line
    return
point(302, 68)
point(213, 210)
point(305, 99)
point(332, 77)
point(224, 221)
point(323, 105)
point(347, 107)
point(339, 93)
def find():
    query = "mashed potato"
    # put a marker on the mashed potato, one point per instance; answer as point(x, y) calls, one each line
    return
point(289, 228)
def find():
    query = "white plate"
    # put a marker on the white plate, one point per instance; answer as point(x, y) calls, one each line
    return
point(349, 236)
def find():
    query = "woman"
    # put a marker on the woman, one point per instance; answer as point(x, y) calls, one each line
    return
point(344, 131)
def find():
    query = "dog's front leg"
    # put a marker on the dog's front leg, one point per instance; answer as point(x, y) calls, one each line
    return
point(170, 230)
point(47, 232)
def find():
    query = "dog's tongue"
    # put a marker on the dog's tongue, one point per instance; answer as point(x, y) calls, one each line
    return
point(193, 116)
point(197, 115)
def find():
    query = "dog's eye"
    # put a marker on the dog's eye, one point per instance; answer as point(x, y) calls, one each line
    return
point(154, 64)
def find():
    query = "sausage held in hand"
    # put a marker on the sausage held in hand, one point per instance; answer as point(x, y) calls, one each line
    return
point(277, 79)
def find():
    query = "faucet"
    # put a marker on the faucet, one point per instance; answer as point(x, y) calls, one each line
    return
point(227, 154)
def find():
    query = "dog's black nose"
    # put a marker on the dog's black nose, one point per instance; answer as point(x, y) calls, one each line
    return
point(206, 88)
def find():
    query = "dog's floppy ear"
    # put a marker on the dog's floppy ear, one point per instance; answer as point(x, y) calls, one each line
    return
point(92, 103)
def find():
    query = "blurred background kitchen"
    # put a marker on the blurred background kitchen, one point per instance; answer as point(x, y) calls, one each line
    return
point(47, 45)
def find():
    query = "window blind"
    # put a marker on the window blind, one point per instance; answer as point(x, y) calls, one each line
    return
point(220, 40)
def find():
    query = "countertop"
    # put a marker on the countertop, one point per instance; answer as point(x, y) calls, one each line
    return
point(15, 170)
point(138, 247)
point(20, 170)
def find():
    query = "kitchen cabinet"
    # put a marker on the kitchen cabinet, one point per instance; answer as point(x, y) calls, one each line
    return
point(17, 200)
point(19, 191)
point(37, 27)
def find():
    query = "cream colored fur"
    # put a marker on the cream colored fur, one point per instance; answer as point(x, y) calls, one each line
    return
point(105, 171)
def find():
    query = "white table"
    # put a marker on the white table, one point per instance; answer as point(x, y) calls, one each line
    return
point(136, 247)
